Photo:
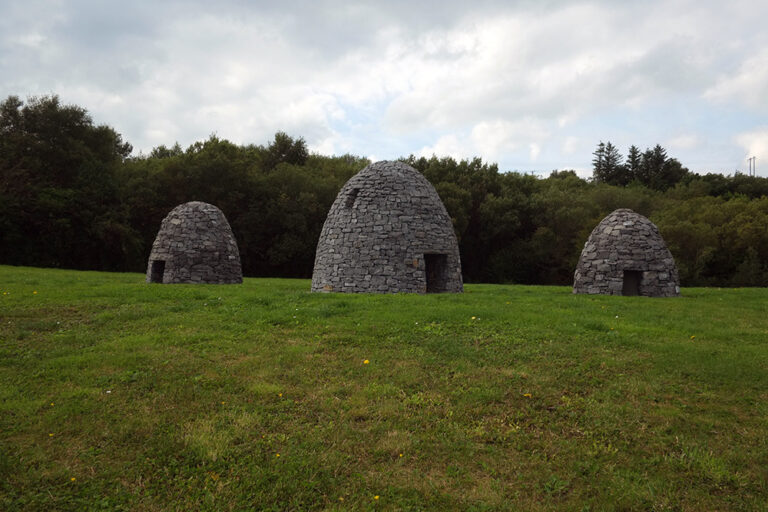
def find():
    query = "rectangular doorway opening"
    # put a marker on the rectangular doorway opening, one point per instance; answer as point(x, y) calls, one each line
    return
point(632, 280)
point(436, 271)
point(157, 271)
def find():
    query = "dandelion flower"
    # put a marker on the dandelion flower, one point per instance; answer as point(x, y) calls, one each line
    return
point(72, 479)
point(277, 455)
point(51, 404)
point(401, 455)
point(376, 497)
point(693, 337)
point(34, 292)
point(366, 361)
point(528, 395)
point(280, 395)
point(50, 435)
point(474, 318)
point(341, 498)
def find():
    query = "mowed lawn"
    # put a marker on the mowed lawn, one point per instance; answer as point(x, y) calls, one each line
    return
point(119, 395)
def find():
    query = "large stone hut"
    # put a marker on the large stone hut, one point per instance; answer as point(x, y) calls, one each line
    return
point(195, 245)
point(387, 232)
point(625, 255)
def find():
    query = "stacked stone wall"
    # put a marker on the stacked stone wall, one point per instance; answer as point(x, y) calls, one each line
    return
point(382, 223)
point(626, 241)
point(197, 245)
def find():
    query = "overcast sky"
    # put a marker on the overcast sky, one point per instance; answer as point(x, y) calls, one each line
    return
point(532, 85)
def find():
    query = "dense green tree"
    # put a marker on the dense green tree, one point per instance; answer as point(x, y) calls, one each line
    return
point(58, 189)
point(285, 149)
point(70, 195)
point(608, 167)
point(598, 162)
point(634, 159)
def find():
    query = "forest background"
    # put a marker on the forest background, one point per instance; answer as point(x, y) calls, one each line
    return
point(73, 196)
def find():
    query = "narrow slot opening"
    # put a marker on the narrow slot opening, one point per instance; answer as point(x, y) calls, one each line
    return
point(351, 197)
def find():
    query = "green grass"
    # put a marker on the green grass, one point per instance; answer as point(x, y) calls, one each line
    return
point(118, 395)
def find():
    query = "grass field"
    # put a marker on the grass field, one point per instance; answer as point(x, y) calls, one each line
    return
point(118, 395)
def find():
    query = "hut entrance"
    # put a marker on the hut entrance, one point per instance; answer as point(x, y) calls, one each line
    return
point(157, 271)
point(436, 270)
point(632, 280)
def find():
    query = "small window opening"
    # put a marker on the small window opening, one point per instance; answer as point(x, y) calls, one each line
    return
point(157, 271)
point(350, 202)
point(436, 272)
point(632, 281)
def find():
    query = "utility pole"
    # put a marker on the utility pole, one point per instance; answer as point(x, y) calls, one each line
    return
point(752, 166)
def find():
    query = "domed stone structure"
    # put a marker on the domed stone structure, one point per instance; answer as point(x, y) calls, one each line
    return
point(625, 255)
point(387, 232)
point(195, 245)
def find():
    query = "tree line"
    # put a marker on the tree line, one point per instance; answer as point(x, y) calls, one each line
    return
point(72, 195)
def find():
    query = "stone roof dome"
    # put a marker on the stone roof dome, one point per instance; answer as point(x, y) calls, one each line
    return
point(195, 245)
point(387, 232)
point(625, 255)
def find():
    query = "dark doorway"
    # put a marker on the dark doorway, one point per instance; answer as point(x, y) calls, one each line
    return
point(435, 268)
point(632, 280)
point(157, 271)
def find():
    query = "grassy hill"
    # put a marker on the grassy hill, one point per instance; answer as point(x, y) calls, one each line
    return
point(119, 395)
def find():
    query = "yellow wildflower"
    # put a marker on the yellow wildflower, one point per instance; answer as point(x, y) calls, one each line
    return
point(50, 435)
point(376, 497)
point(366, 361)
point(34, 293)
point(72, 479)
point(277, 455)
point(528, 395)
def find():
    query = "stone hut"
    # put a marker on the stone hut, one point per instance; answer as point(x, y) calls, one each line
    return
point(625, 255)
point(387, 232)
point(195, 245)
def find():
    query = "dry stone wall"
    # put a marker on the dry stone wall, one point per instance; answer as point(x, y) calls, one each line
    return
point(625, 252)
point(387, 232)
point(195, 244)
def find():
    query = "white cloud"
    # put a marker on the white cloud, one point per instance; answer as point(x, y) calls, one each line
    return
point(686, 141)
point(747, 86)
point(755, 143)
point(447, 145)
point(521, 83)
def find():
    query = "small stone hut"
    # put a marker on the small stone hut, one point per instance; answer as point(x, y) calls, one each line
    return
point(387, 232)
point(195, 245)
point(625, 255)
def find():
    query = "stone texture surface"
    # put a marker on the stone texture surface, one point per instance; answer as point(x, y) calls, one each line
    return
point(197, 245)
point(384, 221)
point(626, 240)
